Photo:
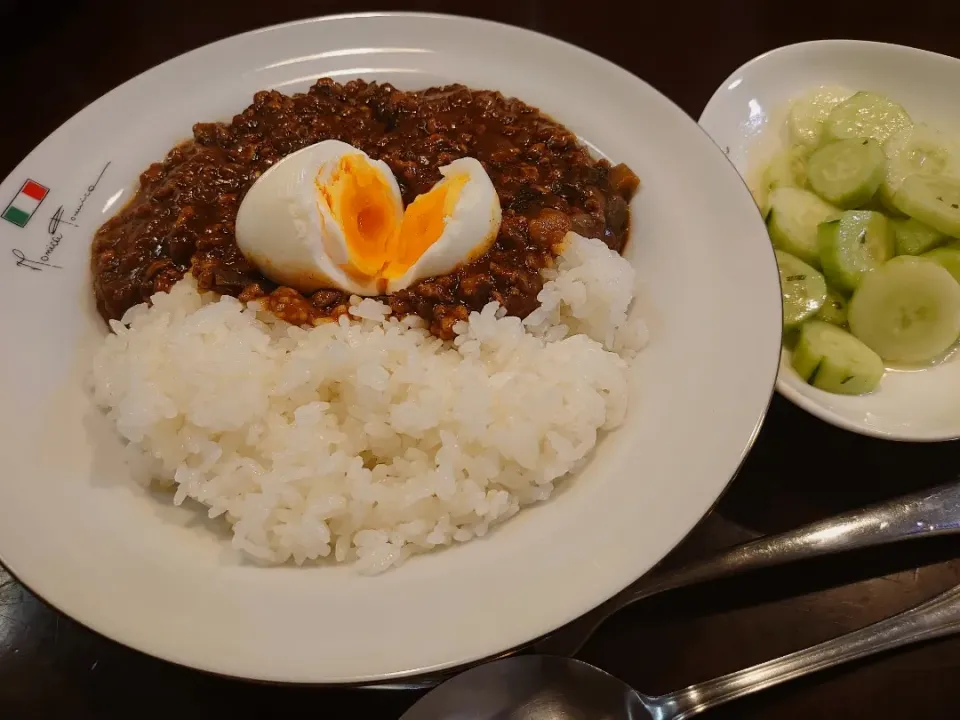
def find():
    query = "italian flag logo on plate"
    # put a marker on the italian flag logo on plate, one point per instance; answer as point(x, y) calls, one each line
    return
point(25, 203)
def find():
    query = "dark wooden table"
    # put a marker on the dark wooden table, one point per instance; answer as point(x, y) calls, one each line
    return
point(54, 59)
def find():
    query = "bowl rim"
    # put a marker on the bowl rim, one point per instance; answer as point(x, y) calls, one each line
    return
point(783, 386)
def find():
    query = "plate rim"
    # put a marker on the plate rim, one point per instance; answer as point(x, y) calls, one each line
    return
point(743, 452)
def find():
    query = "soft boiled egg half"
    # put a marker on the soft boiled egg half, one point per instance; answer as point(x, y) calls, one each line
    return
point(330, 216)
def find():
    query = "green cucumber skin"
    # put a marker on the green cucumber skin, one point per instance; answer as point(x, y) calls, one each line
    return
point(803, 290)
point(946, 257)
point(837, 379)
point(842, 266)
point(913, 237)
point(834, 361)
point(797, 239)
point(834, 309)
point(805, 364)
point(831, 273)
point(857, 192)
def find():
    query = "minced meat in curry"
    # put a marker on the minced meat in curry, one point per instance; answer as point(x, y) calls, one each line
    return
point(182, 217)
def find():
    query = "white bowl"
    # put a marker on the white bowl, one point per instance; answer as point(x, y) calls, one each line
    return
point(744, 118)
point(75, 529)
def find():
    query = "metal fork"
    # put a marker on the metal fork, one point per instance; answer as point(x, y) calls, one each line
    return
point(923, 514)
point(927, 513)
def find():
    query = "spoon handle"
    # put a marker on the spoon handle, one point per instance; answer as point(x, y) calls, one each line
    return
point(923, 514)
point(934, 618)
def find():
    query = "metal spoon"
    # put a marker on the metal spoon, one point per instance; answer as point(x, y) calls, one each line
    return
point(923, 514)
point(537, 687)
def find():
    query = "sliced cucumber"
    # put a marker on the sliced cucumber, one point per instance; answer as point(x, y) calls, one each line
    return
point(948, 258)
point(867, 115)
point(761, 196)
point(856, 244)
point(794, 217)
point(788, 168)
point(934, 200)
point(803, 289)
point(847, 173)
point(809, 113)
point(912, 237)
point(834, 309)
point(835, 361)
point(917, 150)
point(907, 311)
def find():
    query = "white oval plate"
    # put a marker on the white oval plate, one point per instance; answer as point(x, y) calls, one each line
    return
point(744, 117)
point(75, 529)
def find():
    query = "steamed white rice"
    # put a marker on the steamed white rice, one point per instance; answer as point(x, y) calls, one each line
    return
point(368, 439)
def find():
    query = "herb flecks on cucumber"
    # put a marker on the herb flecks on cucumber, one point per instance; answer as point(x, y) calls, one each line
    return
point(861, 206)
point(917, 150)
point(934, 200)
point(834, 309)
point(803, 288)
point(833, 360)
point(856, 244)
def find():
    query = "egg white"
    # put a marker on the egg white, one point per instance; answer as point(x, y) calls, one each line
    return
point(289, 232)
point(291, 236)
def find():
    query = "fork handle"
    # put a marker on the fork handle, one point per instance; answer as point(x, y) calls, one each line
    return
point(934, 618)
point(922, 514)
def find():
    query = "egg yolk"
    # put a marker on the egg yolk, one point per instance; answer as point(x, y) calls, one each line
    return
point(423, 223)
point(361, 201)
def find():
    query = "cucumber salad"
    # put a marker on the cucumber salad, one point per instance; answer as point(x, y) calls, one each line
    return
point(863, 210)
